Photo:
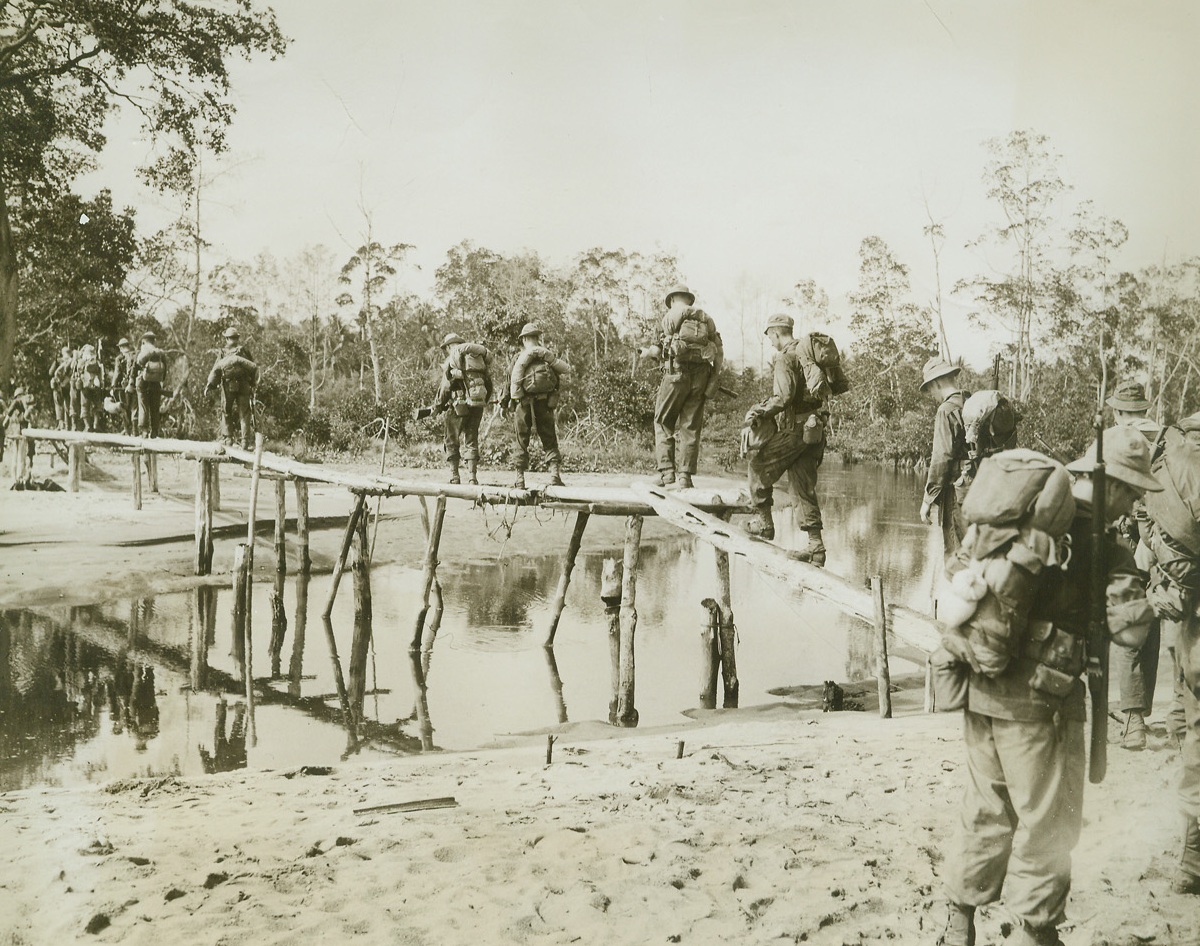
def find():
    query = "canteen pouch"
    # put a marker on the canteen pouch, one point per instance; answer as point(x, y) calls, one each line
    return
point(1058, 655)
point(814, 430)
point(951, 680)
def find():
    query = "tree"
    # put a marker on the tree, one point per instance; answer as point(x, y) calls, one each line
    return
point(1022, 178)
point(370, 270)
point(66, 64)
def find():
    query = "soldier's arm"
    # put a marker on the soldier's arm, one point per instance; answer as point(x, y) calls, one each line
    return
point(1129, 612)
point(783, 389)
point(718, 359)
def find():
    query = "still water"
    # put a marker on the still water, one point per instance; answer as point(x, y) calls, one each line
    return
point(152, 686)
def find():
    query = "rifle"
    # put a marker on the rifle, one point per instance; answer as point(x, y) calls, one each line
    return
point(1097, 634)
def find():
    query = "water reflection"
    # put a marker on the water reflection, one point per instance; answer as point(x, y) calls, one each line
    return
point(117, 689)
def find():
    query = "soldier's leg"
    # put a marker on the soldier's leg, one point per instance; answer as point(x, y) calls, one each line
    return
point(770, 461)
point(667, 403)
point(524, 428)
point(1044, 767)
point(245, 403)
point(691, 419)
point(153, 405)
point(547, 428)
point(953, 525)
point(802, 478)
point(978, 858)
point(73, 418)
point(59, 411)
point(1189, 795)
point(470, 449)
point(451, 431)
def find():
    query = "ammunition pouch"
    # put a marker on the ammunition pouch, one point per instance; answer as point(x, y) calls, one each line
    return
point(951, 681)
point(1058, 655)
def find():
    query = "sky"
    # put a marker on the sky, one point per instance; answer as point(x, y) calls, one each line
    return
point(759, 142)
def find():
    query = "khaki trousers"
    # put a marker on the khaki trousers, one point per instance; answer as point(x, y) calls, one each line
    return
point(679, 417)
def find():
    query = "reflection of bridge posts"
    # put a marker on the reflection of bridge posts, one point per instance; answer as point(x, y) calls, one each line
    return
point(340, 681)
point(203, 626)
point(360, 571)
point(278, 614)
point(300, 628)
point(429, 574)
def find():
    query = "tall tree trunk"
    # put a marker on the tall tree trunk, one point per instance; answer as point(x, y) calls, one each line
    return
point(8, 290)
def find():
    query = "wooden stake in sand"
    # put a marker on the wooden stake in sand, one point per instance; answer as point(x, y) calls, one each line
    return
point(339, 566)
point(556, 684)
point(564, 581)
point(239, 607)
point(627, 714)
point(278, 614)
point(727, 632)
point(137, 479)
point(430, 571)
point(76, 458)
point(610, 594)
point(301, 487)
point(710, 654)
point(883, 675)
point(251, 524)
point(152, 471)
point(204, 517)
point(360, 647)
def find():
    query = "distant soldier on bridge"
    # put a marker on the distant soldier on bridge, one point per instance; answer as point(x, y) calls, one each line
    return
point(151, 365)
point(463, 395)
point(237, 374)
point(533, 389)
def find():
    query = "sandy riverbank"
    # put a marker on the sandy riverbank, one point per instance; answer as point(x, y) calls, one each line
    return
point(779, 824)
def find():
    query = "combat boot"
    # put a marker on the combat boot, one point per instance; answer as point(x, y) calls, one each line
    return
point(556, 475)
point(454, 478)
point(960, 925)
point(665, 478)
point(519, 482)
point(761, 523)
point(473, 472)
point(1035, 936)
point(814, 553)
point(1187, 881)
point(1134, 737)
point(684, 480)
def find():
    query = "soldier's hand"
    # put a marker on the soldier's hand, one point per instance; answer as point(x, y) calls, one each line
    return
point(753, 414)
point(926, 513)
point(961, 649)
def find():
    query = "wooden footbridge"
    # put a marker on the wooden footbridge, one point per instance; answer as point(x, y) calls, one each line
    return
point(702, 512)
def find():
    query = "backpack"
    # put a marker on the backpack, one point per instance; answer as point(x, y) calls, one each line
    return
point(539, 378)
point(825, 355)
point(689, 343)
point(1176, 508)
point(155, 368)
point(1019, 508)
point(473, 364)
point(990, 421)
point(91, 376)
point(237, 373)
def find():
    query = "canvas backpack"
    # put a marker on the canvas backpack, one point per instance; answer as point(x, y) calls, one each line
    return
point(1019, 508)
point(823, 351)
point(990, 423)
point(539, 378)
point(237, 373)
point(691, 338)
point(1176, 508)
point(91, 376)
point(155, 368)
point(472, 363)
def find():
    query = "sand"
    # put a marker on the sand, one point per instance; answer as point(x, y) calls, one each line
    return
point(779, 824)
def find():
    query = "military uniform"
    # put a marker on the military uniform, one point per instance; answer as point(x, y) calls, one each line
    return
point(462, 419)
point(947, 456)
point(149, 391)
point(237, 383)
point(60, 389)
point(536, 411)
point(89, 385)
point(123, 382)
point(687, 382)
point(1023, 806)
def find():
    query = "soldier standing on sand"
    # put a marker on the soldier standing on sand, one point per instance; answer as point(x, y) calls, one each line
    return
point(1023, 808)
point(949, 451)
point(122, 390)
point(534, 385)
point(692, 355)
point(463, 395)
point(151, 365)
point(794, 443)
point(1136, 668)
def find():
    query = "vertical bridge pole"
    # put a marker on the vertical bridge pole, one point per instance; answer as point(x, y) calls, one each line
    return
point(883, 677)
point(627, 714)
point(430, 573)
point(564, 581)
point(204, 517)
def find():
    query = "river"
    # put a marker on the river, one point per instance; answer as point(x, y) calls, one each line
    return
point(149, 686)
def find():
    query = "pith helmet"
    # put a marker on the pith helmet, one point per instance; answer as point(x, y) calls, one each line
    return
point(680, 291)
point(1126, 458)
point(780, 321)
point(1129, 396)
point(452, 338)
point(232, 332)
point(935, 368)
point(149, 337)
point(530, 328)
point(123, 343)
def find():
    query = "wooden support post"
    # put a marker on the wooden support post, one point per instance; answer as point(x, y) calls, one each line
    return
point(137, 479)
point(339, 566)
point(152, 471)
point(360, 647)
point(216, 486)
point(564, 581)
point(421, 708)
point(204, 517)
point(280, 525)
point(556, 684)
point(302, 526)
point(239, 610)
point(930, 701)
point(278, 614)
point(627, 714)
point(883, 675)
point(339, 681)
point(430, 572)
point(710, 654)
point(76, 457)
point(727, 631)
point(251, 524)
point(610, 594)
point(17, 462)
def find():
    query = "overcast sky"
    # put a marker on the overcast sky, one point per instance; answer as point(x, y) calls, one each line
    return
point(758, 141)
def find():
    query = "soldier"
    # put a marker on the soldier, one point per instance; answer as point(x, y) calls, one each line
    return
point(89, 383)
point(60, 388)
point(151, 365)
point(692, 355)
point(1172, 536)
point(1137, 668)
point(1022, 811)
point(794, 440)
point(463, 394)
point(123, 384)
point(949, 451)
point(237, 374)
point(534, 385)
